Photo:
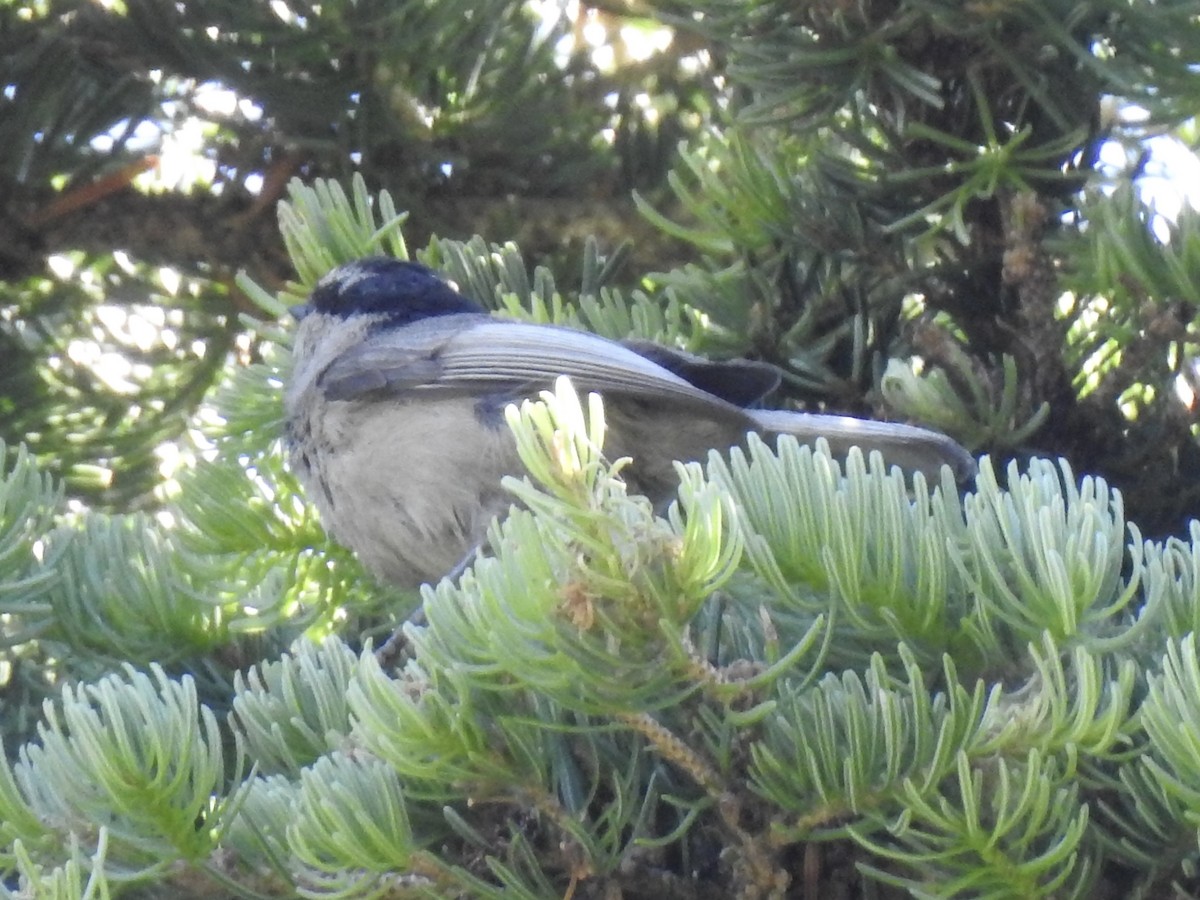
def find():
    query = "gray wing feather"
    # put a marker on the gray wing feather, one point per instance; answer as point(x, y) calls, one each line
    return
point(472, 353)
point(458, 353)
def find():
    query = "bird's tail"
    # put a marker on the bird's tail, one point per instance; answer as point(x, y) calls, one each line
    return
point(907, 446)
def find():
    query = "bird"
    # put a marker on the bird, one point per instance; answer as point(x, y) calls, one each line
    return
point(394, 413)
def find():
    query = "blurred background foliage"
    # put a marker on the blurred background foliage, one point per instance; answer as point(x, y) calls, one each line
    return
point(143, 147)
point(833, 183)
point(989, 192)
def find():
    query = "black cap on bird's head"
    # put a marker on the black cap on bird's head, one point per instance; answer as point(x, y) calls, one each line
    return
point(402, 291)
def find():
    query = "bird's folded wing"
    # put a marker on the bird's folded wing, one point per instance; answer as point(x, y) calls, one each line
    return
point(741, 382)
point(473, 353)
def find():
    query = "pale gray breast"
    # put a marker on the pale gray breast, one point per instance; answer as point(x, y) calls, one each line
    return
point(409, 485)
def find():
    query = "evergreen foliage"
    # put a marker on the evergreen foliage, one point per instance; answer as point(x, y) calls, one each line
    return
point(927, 178)
point(470, 111)
point(957, 188)
point(809, 675)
